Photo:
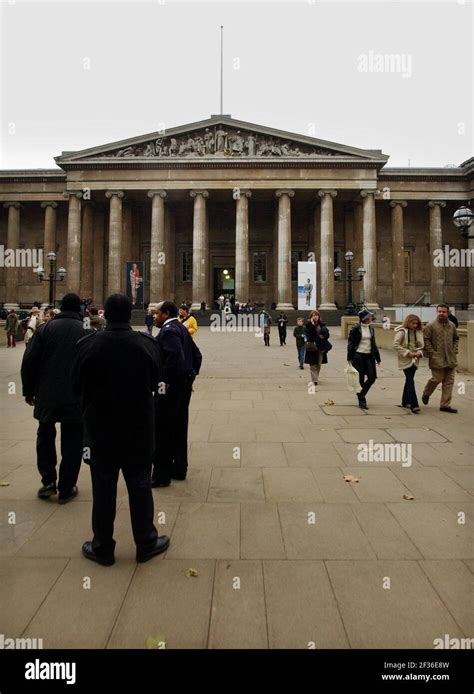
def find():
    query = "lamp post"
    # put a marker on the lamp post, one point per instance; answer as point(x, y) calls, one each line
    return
point(53, 277)
point(349, 278)
point(462, 218)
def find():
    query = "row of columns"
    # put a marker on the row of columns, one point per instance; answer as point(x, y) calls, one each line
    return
point(85, 277)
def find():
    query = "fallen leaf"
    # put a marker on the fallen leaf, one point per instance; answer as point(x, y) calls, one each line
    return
point(329, 402)
point(387, 418)
point(408, 497)
point(351, 478)
point(156, 642)
point(4, 484)
point(191, 572)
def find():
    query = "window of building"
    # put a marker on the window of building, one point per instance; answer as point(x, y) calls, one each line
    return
point(260, 267)
point(296, 256)
point(187, 266)
point(407, 266)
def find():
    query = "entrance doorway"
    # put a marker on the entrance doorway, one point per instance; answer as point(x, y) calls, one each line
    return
point(224, 282)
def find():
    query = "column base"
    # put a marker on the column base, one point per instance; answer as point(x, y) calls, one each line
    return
point(470, 307)
point(372, 307)
point(9, 307)
point(153, 305)
point(196, 307)
point(399, 305)
point(327, 307)
point(285, 307)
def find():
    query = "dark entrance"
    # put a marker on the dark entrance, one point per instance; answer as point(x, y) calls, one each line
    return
point(224, 282)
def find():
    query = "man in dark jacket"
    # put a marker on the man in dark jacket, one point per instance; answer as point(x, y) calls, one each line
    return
point(116, 372)
point(46, 374)
point(363, 354)
point(181, 363)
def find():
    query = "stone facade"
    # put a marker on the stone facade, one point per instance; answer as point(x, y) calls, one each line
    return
point(224, 194)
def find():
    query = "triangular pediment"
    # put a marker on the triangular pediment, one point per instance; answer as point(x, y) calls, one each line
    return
point(221, 138)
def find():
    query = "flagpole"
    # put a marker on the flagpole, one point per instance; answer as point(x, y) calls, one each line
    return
point(222, 70)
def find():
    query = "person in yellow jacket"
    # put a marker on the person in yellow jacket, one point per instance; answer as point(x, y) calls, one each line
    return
point(189, 322)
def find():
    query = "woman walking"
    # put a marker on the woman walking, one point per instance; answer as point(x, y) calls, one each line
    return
point(363, 354)
point(266, 324)
point(317, 345)
point(409, 343)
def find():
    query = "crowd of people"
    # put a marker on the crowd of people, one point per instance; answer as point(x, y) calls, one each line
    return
point(89, 371)
point(98, 382)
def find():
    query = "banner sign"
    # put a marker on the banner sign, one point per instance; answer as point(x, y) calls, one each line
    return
point(306, 286)
point(136, 282)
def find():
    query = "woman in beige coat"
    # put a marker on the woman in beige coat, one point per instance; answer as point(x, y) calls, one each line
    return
point(409, 343)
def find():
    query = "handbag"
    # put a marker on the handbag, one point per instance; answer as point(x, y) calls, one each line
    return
point(311, 347)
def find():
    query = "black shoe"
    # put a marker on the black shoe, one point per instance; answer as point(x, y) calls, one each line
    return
point(162, 545)
point(425, 399)
point(89, 553)
point(160, 483)
point(47, 490)
point(448, 409)
point(363, 405)
point(301, 367)
point(178, 476)
point(64, 498)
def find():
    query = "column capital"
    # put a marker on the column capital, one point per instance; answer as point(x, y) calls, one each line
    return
point(16, 205)
point(394, 203)
point(110, 193)
point(284, 191)
point(73, 194)
point(195, 193)
point(48, 203)
point(162, 193)
point(434, 203)
point(366, 193)
point(322, 193)
point(243, 193)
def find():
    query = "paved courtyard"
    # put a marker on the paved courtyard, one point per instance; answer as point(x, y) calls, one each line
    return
point(287, 553)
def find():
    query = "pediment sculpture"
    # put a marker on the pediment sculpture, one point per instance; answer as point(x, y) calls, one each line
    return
point(218, 141)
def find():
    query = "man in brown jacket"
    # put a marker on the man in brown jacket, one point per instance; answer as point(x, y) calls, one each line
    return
point(441, 346)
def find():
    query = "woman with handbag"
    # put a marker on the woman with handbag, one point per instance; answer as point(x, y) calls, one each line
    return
point(363, 354)
point(409, 343)
point(317, 345)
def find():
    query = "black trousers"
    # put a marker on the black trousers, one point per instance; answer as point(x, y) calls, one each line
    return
point(71, 454)
point(409, 392)
point(180, 463)
point(365, 365)
point(104, 475)
point(282, 335)
point(169, 414)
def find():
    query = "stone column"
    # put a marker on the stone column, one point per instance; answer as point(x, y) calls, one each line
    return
point(99, 241)
point(242, 265)
point(436, 243)
point(471, 276)
point(13, 243)
point(398, 252)
point(327, 250)
point(157, 246)
point(200, 249)
point(169, 254)
point(87, 256)
point(49, 244)
point(284, 250)
point(126, 251)
point(115, 240)
point(370, 249)
point(73, 262)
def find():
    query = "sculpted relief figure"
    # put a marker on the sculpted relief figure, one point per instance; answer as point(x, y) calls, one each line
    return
point(219, 142)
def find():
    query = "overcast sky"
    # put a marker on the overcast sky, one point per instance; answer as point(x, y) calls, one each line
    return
point(77, 75)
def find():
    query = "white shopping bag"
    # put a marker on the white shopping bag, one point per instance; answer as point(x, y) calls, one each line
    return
point(352, 376)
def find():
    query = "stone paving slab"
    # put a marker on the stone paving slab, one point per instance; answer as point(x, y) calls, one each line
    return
point(261, 536)
point(454, 583)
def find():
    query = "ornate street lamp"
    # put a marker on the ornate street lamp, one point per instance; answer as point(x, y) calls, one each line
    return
point(462, 218)
point(349, 258)
point(53, 277)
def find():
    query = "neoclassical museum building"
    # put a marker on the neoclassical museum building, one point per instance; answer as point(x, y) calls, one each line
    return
point(225, 206)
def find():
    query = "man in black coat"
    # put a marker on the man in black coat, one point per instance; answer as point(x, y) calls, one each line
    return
point(46, 374)
point(181, 363)
point(116, 372)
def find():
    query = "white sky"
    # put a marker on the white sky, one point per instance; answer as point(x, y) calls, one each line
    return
point(158, 62)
